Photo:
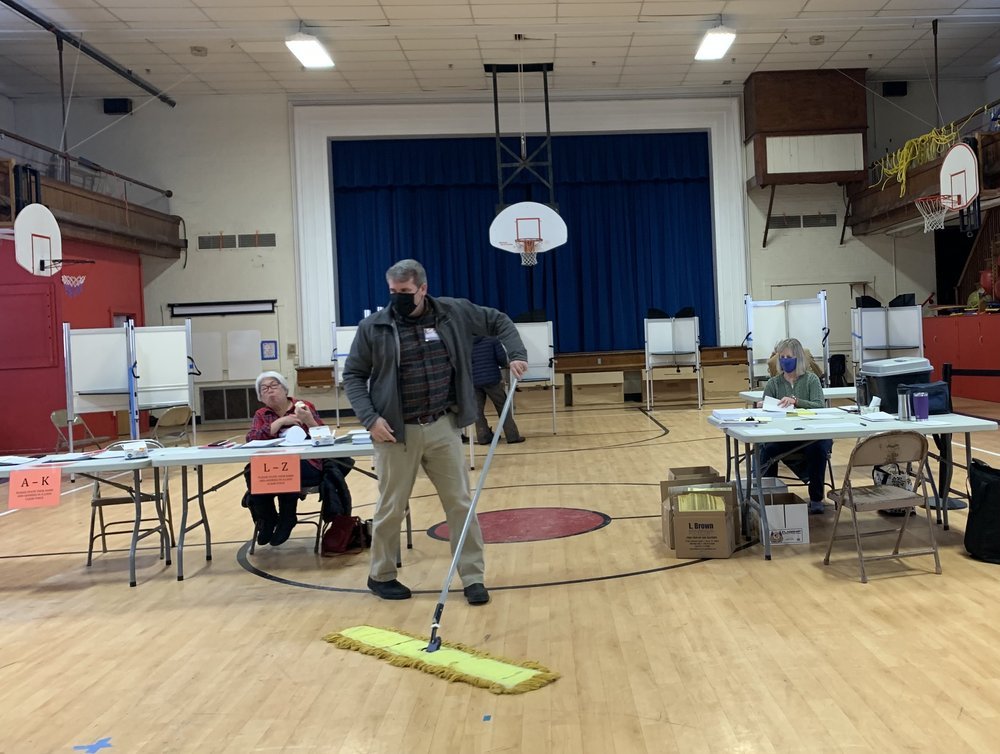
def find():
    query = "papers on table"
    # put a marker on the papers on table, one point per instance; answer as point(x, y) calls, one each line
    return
point(228, 443)
point(264, 443)
point(15, 460)
point(818, 413)
point(878, 416)
point(360, 437)
point(772, 405)
point(65, 457)
point(740, 416)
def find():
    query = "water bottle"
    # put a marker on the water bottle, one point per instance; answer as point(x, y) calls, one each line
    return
point(903, 405)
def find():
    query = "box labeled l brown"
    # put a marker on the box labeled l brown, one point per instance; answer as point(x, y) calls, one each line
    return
point(682, 476)
point(702, 520)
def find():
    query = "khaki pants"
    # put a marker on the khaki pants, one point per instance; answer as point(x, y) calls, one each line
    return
point(437, 448)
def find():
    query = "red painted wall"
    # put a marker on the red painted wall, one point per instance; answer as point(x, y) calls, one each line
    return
point(32, 375)
point(969, 341)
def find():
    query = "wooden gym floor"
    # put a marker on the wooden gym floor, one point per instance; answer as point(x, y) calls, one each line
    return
point(656, 654)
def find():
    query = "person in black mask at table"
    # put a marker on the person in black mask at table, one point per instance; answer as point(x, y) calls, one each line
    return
point(409, 381)
point(796, 387)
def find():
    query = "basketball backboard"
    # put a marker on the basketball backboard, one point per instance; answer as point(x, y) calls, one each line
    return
point(527, 227)
point(959, 177)
point(37, 241)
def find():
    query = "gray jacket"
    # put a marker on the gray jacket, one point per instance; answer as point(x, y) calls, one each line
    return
point(371, 373)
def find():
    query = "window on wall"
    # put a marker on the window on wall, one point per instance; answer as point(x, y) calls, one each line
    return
point(637, 207)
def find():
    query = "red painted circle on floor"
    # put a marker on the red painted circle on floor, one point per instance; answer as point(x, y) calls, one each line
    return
point(531, 524)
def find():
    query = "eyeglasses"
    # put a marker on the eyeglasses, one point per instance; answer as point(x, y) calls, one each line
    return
point(267, 387)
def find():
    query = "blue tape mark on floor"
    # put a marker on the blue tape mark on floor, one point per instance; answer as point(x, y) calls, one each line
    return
point(101, 743)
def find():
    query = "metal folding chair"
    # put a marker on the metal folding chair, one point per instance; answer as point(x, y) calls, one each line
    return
point(908, 450)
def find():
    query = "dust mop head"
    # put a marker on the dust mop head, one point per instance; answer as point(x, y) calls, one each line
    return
point(453, 662)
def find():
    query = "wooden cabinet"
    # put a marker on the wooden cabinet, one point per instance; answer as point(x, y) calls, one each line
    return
point(718, 355)
point(725, 381)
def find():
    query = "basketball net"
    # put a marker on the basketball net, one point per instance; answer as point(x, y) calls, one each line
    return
point(529, 257)
point(933, 209)
point(73, 284)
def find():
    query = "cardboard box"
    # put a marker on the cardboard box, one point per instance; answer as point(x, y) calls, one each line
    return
point(682, 476)
point(689, 472)
point(702, 520)
point(787, 519)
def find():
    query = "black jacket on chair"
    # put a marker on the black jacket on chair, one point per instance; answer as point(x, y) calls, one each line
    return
point(333, 490)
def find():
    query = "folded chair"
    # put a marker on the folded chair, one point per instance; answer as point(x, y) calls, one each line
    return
point(909, 451)
point(172, 426)
point(60, 420)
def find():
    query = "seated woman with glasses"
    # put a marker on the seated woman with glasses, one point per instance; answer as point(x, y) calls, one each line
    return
point(280, 413)
point(796, 387)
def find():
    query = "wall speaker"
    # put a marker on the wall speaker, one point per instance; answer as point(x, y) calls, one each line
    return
point(118, 106)
point(893, 88)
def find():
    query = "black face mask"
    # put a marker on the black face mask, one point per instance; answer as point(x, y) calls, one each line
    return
point(402, 303)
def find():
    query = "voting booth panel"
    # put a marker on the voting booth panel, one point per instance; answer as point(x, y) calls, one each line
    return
point(127, 369)
point(769, 322)
point(539, 342)
point(672, 342)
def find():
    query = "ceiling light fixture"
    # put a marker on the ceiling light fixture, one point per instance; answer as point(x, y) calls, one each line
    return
point(310, 52)
point(715, 43)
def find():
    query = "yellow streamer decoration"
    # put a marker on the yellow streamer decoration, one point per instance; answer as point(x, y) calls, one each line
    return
point(917, 151)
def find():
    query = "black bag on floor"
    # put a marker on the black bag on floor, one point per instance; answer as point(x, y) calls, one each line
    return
point(982, 532)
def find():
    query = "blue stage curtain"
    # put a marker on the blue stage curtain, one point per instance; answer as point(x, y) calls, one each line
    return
point(637, 207)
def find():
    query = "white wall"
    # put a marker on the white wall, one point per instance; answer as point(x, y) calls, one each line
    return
point(894, 120)
point(226, 159)
point(798, 263)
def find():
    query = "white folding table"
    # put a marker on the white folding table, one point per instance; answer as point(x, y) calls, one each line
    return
point(71, 463)
point(164, 458)
point(831, 427)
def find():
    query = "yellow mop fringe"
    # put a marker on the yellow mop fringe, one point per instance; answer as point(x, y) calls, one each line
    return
point(453, 662)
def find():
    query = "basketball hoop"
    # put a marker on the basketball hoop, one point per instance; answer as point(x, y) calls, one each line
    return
point(933, 208)
point(529, 257)
point(73, 284)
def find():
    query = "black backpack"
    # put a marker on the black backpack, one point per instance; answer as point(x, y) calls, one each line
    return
point(982, 532)
point(838, 370)
point(334, 493)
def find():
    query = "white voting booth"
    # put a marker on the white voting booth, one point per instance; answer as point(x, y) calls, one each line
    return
point(540, 345)
point(769, 322)
point(128, 368)
point(886, 332)
point(343, 339)
point(673, 342)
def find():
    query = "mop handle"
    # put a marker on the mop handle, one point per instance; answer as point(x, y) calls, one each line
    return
point(443, 597)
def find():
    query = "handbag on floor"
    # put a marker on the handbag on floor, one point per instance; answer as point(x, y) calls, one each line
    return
point(982, 532)
point(343, 535)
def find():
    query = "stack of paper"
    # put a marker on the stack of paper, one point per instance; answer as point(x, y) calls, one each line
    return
point(740, 415)
point(878, 416)
point(264, 443)
point(772, 407)
point(15, 460)
point(360, 436)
